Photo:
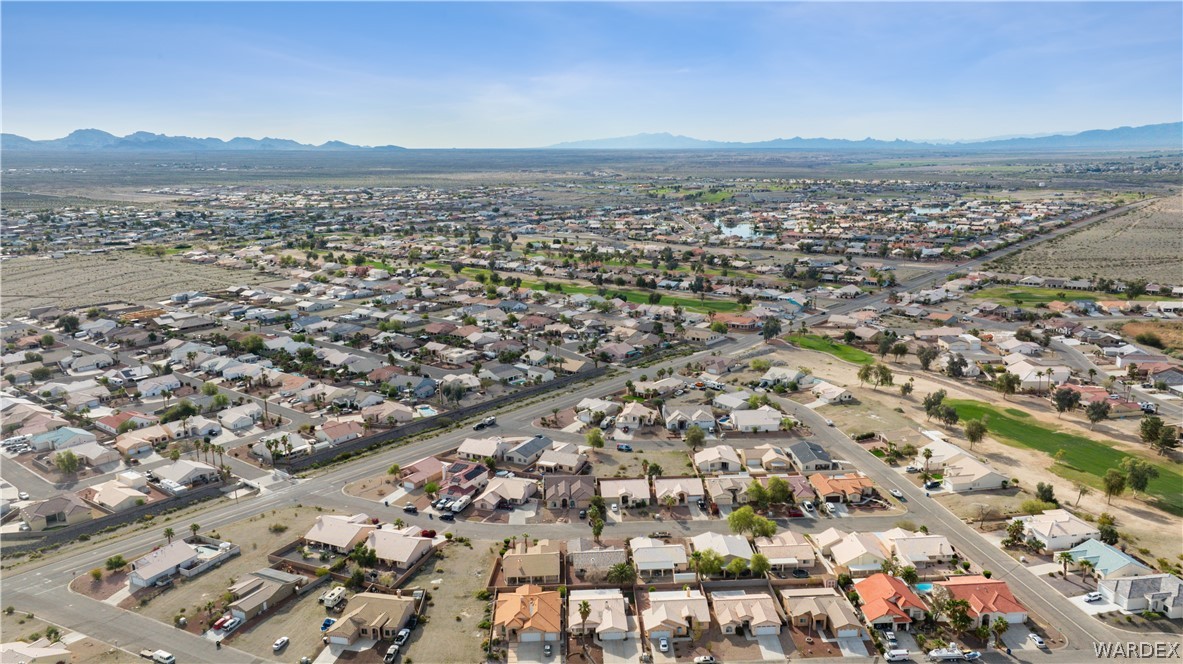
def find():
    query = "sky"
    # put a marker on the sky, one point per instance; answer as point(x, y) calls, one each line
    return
point(491, 74)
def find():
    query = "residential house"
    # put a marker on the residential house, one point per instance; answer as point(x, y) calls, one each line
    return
point(533, 563)
point(187, 473)
point(888, 603)
point(728, 489)
point(860, 553)
point(387, 413)
point(1162, 593)
point(241, 417)
point(528, 614)
point(761, 420)
point(526, 452)
point(339, 533)
point(62, 510)
point(765, 458)
point(787, 550)
point(586, 409)
point(729, 547)
point(608, 620)
point(399, 548)
point(822, 610)
point(653, 557)
point(810, 457)
point(568, 491)
point(988, 599)
point(261, 590)
point(730, 401)
point(505, 493)
point(114, 496)
point(111, 423)
point(830, 393)
point(746, 612)
point(371, 616)
point(917, 549)
point(634, 416)
point(464, 479)
point(60, 439)
point(1106, 561)
point(568, 463)
point(634, 491)
point(418, 474)
point(717, 459)
point(95, 455)
point(593, 560)
point(1057, 530)
point(339, 431)
point(479, 449)
point(846, 487)
point(162, 563)
point(674, 614)
point(158, 385)
point(682, 490)
point(681, 419)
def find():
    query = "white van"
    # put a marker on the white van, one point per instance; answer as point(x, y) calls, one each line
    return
point(163, 657)
point(898, 655)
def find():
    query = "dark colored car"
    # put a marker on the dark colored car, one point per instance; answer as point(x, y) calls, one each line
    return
point(410, 509)
point(447, 516)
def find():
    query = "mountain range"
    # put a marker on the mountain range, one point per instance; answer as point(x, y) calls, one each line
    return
point(90, 140)
point(1168, 136)
point(1157, 136)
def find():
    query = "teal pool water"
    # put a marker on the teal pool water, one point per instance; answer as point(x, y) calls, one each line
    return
point(924, 587)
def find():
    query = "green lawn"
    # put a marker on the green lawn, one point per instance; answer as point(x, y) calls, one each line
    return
point(1032, 295)
point(1085, 459)
point(838, 350)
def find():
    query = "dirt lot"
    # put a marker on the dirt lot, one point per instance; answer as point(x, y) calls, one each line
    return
point(1146, 243)
point(1171, 333)
point(298, 619)
point(17, 627)
point(256, 540)
point(82, 280)
point(1004, 503)
point(670, 454)
point(444, 639)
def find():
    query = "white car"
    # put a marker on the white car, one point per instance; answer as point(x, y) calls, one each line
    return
point(280, 644)
point(897, 493)
point(1093, 597)
point(705, 659)
point(23, 495)
point(1037, 640)
point(663, 645)
point(808, 506)
point(616, 508)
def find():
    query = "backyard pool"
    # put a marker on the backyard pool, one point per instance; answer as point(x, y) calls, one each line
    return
point(924, 587)
point(426, 411)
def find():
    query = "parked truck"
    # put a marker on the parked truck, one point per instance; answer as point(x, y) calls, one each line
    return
point(158, 656)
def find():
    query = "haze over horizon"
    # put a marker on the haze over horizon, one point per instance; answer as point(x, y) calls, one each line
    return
point(537, 74)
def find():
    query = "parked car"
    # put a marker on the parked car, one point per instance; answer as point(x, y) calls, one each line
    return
point(1037, 640)
point(663, 645)
point(391, 654)
point(615, 507)
point(280, 644)
point(660, 534)
point(23, 495)
point(932, 484)
point(897, 493)
point(447, 516)
point(808, 506)
point(582, 514)
point(547, 649)
point(328, 622)
point(410, 509)
point(1093, 597)
point(624, 447)
point(402, 636)
point(233, 623)
point(912, 469)
point(221, 622)
point(705, 659)
point(413, 621)
point(702, 504)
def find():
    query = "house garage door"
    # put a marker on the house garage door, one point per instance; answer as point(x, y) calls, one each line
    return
point(529, 637)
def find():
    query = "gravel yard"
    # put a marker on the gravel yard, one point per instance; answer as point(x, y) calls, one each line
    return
point(444, 639)
point(80, 280)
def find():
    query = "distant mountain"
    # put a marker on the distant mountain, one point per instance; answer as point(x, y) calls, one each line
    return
point(88, 140)
point(1167, 136)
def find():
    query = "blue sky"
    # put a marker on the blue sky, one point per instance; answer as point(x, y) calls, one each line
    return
point(533, 74)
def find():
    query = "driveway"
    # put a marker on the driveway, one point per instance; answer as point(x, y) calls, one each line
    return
point(1016, 638)
point(697, 514)
point(622, 652)
point(520, 514)
point(529, 653)
point(770, 647)
point(1093, 608)
point(662, 657)
point(852, 647)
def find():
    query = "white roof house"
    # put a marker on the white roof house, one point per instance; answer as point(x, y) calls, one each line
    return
point(719, 458)
point(161, 563)
point(397, 547)
point(762, 419)
point(653, 556)
point(787, 549)
point(339, 533)
point(608, 619)
point(1058, 529)
point(729, 547)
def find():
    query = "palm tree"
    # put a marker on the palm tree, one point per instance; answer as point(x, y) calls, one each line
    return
point(167, 394)
point(1082, 490)
point(1065, 558)
point(168, 532)
point(695, 564)
point(927, 454)
point(1086, 569)
point(999, 627)
point(584, 612)
point(669, 502)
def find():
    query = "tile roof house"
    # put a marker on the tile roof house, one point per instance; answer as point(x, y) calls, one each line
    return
point(533, 563)
point(787, 550)
point(62, 510)
point(988, 598)
point(888, 603)
point(747, 612)
point(847, 487)
point(625, 491)
point(821, 610)
point(418, 474)
point(464, 479)
point(555, 461)
point(683, 490)
point(589, 558)
point(717, 459)
point(339, 533)
point(529, 613)
point(398, 548)
point(859, 553)
point(477, 449)
point(765, 458)
point(504, 492)
point(371, 616)
point(1057, 530)
point(568, 491)
point(608, 620)
point(728, 489)
point(261, 590)
point(672, 614)
point(763, 419)
point(1154, 592)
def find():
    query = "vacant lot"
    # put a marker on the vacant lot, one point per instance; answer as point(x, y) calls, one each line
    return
point(1021, 295)
point(1085, 459)
point(671, 455)
point(83, 280)
point(1169, 334)
point(826, 345)
point(1146, 243)
point(452, 632)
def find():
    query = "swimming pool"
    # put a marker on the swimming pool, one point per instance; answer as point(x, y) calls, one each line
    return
point(426, 411)
point(924, 587)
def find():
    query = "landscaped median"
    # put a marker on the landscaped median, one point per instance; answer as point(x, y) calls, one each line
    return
point(827, 345)
point(1085, 459)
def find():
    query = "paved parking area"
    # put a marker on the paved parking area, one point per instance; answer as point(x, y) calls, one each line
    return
point(622, 652)
point(1017, 638)
point(770, 647)
point(528, 653)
